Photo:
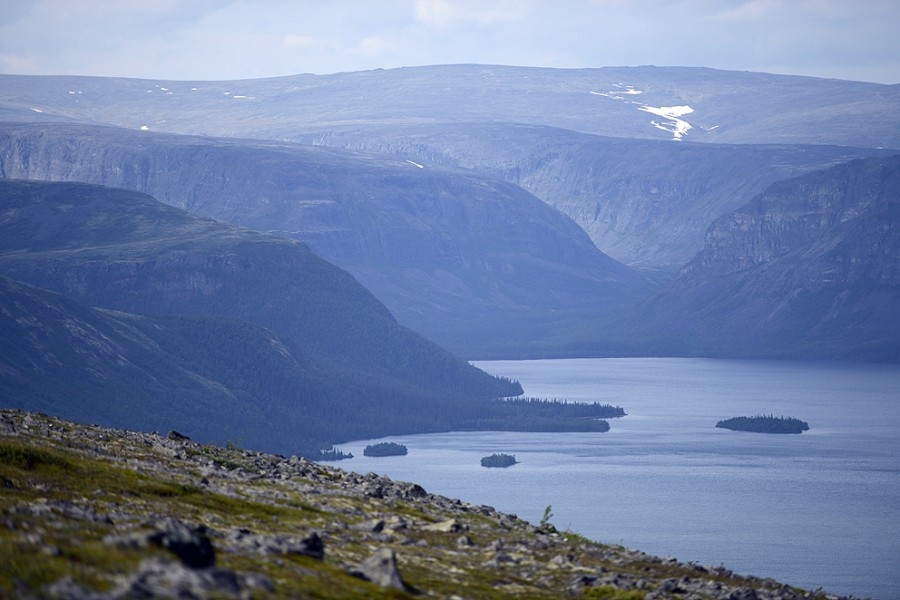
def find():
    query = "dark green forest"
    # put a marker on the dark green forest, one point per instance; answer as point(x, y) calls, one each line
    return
point(764, 424)
point(498, 461)
point(126, 312)
point(385, 449)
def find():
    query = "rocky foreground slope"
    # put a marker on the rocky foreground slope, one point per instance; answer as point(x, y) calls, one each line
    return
point(88, 512)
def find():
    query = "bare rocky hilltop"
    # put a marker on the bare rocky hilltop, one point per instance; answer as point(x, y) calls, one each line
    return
point(88, 512)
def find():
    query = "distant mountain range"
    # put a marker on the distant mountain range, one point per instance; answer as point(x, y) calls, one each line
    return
point(626, 102)
point(494, 209)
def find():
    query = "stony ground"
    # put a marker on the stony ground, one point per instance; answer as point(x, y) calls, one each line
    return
point(88, 512)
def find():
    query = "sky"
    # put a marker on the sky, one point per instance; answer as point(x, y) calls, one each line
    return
point(243, 39)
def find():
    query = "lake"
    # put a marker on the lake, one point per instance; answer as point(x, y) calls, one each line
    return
point(818, 510)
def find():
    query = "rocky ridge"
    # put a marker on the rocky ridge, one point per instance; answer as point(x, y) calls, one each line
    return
point(94, 513)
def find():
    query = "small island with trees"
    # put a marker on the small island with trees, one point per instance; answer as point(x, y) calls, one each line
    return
point(764, 424)
point(499, 460)
point(385, 449)
point(333, 454)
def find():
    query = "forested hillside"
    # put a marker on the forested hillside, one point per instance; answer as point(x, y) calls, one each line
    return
point(219, 317)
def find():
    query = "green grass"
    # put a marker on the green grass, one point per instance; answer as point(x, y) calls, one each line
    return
point(136, 482)
point(606, 592)
point(16, 455)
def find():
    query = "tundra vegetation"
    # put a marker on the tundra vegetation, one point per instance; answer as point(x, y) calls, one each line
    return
point(90, 512)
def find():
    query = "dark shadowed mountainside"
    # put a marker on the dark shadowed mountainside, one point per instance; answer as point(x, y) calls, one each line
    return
point(811, 268)
point(62, 357)
point(291, 349)
point(478, 265)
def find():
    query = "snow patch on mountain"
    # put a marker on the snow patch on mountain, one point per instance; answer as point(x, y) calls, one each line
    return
point(622, 90)
point(673, 122)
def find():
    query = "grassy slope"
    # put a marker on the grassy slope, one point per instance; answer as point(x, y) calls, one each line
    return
point(70, 491)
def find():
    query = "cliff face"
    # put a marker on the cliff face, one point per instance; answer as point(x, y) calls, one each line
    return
point(811, 266)
point(840, 218)
point(476, 264)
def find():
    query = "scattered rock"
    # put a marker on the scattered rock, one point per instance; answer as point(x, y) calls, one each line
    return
point(743, 594)
point(243, 540)
point(448, 526)
point(7, 425)
point(374, 526)
point(177, 437)
point(190, 544)
point(167, 579)
point(519, 558)
point(381, 569)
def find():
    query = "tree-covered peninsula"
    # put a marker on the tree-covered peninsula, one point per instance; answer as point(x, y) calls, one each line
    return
point(764, 424)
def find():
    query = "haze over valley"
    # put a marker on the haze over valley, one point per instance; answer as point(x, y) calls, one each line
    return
point(510, 212)
point(303, 259)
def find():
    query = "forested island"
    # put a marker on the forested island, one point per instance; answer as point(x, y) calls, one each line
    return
point(499, 460)
point(764, 424)
point(385, 449)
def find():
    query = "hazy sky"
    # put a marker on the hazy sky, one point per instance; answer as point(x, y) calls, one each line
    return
point(233, 39)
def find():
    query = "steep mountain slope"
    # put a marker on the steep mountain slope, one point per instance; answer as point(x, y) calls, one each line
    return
point(809, 268)
point(646, 203)
point(478, 265)
point(636, 102)
point(61, 357)
point(340, 366)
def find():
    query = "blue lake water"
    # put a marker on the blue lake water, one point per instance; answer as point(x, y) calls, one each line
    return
point(818, 510)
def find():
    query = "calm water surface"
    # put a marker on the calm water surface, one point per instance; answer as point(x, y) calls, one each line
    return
point(820, 509)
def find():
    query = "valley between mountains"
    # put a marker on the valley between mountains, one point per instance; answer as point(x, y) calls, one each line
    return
point(289, 263)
